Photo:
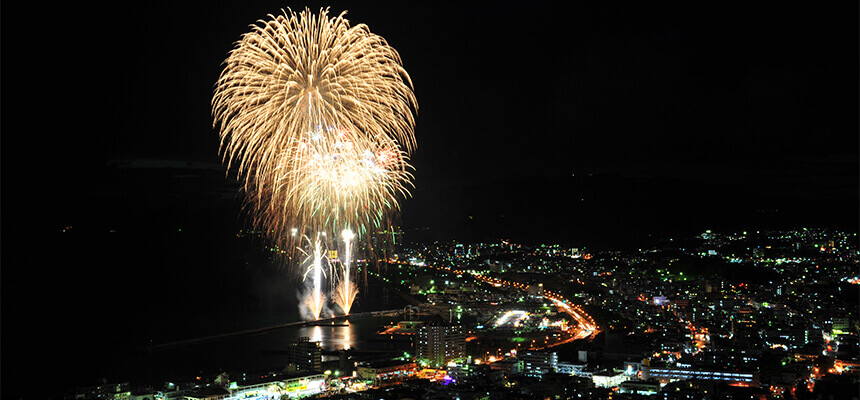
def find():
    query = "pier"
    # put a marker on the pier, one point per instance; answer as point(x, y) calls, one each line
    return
point(332, 321)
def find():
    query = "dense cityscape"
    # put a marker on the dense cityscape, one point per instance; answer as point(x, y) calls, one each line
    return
point(764, 314)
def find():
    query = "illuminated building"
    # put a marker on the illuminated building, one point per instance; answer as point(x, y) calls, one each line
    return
point(460, 371)
point(661, 301)
point(382, 372)
point(304, 356)
point(569, 368)
point(208, 393)
point(438, 343)
point(293, 387)
point(507, 366)
point(538, 363)
point(609, 378)
point(646, 388)
point(666, 375)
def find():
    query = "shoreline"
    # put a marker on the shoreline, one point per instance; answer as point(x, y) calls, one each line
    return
point(331, 321)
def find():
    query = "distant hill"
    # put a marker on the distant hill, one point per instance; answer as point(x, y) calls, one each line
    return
point(612, 210)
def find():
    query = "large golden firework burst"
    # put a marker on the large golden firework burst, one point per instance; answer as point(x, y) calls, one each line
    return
point(317, 117)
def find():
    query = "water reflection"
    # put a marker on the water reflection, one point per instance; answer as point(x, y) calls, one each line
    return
point(317, 335)
point(345, 336)
point(331, 337)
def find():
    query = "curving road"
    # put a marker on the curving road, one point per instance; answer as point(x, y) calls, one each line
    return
point(586, 326)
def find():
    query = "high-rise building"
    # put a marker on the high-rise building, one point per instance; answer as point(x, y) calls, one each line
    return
point(438, 343)
point(712, 287)
point(537, 363)
point(305, 356)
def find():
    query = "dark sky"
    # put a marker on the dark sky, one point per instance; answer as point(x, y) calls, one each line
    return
point(757, 98)
point(539, 121)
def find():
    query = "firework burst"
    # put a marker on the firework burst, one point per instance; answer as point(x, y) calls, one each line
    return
point(316, 116)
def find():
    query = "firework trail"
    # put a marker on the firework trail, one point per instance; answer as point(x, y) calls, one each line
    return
point(317, 118)
point(345, 291)
point(344, 295)
point(314, 301)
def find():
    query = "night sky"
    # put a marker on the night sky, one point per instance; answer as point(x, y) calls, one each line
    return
point(538, 121)
point(520, 105)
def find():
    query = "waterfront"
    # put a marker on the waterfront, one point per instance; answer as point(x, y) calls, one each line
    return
point(135, 293)
point(261, 352)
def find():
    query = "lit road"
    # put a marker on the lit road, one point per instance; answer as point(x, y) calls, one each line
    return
point(586, 326)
